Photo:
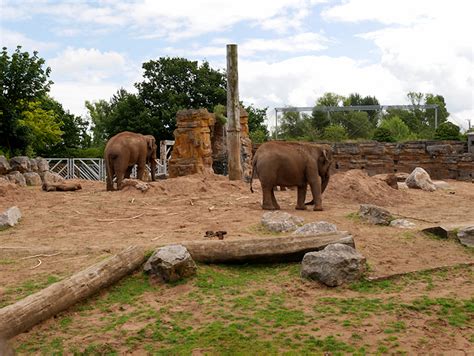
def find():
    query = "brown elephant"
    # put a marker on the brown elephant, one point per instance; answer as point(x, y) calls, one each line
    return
point(292, 164)
point(126, 149)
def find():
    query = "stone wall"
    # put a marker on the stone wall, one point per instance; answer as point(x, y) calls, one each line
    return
point(441, 159)
point(23, 171)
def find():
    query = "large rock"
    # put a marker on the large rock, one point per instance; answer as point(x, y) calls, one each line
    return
point(4, 165)
point(279, 221)
point(20, 164)
point(335, 265)
point(171, 263)
point(315, 228)
point(17, 178)
point(51, 178)
point(402, 224)
point(10, 217)
point(42, 164)
point(390, 179)
point(33, 165)
point(375, 214)
point(32, 178)
point(466, 236)
point(420, 179)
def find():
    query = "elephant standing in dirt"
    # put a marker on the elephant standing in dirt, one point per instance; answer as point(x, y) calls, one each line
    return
point(126, 149)
point(292, 164)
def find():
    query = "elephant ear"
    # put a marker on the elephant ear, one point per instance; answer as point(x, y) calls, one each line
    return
point(150, 142)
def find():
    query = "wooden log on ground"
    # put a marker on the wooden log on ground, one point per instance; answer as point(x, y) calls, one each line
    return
point(61, 187)
point(24, 314)
point(263, 250)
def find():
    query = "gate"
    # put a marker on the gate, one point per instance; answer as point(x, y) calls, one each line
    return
point(94, 168)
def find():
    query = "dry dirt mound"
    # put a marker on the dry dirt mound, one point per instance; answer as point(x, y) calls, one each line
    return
point(10, 192)
point(356, 186)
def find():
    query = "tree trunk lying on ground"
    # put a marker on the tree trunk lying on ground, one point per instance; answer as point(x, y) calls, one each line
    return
point(263, 250)
point(63, 187)
point(24, 314)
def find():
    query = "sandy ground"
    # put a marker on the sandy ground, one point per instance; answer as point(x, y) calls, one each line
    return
point(83, 226)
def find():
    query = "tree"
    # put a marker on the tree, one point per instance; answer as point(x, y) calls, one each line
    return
point(99, 116)
point(398, 129)
point(172, 84)
point(43, 127)
point(321, 119)
point(356, 99)
point(294, 126)
point(447, 131)
point(356, 123)
point(258, 131)
point(335, 133)
point(23, 78)
point(382, 134)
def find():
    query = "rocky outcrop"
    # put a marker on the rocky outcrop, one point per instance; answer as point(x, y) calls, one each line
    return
point(32, 179)
point(402, 224)
point(375, 214)
point(51, 178)
point(466, 236)
point(4, 165)
point(17, 178)
point(420, 179)
point(24, 171)
point(315, 228)
point(21, 164)
point(335, 265)
point(192, 151)
point(171, 263)
point(279, 221)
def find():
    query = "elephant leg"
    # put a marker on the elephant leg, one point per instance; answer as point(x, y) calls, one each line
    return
point(128, 172)
point(268, 198)
point(120, 176)
point(316, 190)
point(140, 171)
point(274, 201)
point(301, 197)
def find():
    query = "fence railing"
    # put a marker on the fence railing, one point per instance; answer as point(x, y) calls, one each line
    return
point(94, 168)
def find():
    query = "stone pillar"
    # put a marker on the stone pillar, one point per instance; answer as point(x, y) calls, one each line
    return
point(192, 151)
point(245, 146)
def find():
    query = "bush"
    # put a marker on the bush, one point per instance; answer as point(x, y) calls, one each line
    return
point(258, 136)
point(334, 133)
point(382, 134)
point(447, 131)
point(398, 129)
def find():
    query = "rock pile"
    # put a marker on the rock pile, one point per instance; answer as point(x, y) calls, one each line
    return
point(25, 171)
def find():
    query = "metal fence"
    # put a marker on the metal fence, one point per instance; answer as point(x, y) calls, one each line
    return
point(94, 168)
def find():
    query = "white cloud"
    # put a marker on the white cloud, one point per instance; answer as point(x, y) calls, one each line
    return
point(11, 39)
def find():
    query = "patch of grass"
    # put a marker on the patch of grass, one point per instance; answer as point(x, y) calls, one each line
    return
point(27, 288)
point(365, 286)
point(260, 229)
point(395, 327)
point(354, 216)
point(7, 262)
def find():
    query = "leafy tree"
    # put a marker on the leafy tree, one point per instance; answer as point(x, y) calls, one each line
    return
point(382, 134)
point(43, 127)
point(443, 113)
point(294, 126)
point(398, 129)
point(356, 123)
point(257, 129)
point(335, 133)
point(172, 84)
point(23, 78)
point(447, 131)
point(356, 99)
point(99, 116)
point(321, 119)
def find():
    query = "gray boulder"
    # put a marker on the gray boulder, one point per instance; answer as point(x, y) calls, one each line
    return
point(315, 228)
point(51, 178)
point(279, 221)
point(466, 236)
point(17, 178)
point(20, 164)
point(375, 214)
point(32, 178)
point(10, 217)
point(4, 165)
point(335, 265)
point(171, 263)
point(42, 164)
point(402, 224)
point(33, 165)
point(420, 179)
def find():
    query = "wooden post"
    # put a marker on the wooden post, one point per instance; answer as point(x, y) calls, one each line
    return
point(233, 115)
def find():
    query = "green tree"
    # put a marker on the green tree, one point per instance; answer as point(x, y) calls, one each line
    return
point(257, 128)
point(356, 123)
point(296, 126)
point(43, 127)
point(382, 134)
point(172, 84)
point(99, 117)
point(398, 129)
point(23, 78)
point(356, 99)
point(448, 131)
point(320, 119)
point(335, 133)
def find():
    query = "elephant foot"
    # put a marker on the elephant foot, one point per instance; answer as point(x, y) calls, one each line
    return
point(269, 207)
point(310, 202)
point(318, 208)
point(300, 207)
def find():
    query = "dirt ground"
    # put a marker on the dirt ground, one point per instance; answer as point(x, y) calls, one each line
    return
point(77, 229)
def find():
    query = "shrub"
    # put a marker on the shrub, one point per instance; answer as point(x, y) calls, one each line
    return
point(382, 134)
point(447, 131)
point(398, 129)
point(334, 133)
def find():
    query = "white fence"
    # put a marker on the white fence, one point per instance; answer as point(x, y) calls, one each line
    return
point(94, 168)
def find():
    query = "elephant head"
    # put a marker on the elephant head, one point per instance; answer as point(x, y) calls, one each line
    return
point(151, 154)
point(324, 165)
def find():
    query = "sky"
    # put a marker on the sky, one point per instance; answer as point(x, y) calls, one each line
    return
point(290, 51)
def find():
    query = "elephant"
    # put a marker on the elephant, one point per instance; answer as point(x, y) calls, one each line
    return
point(292, 164)
point(126, 149)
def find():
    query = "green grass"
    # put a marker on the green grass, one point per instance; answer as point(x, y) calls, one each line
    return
point(248, 310)
point(23, 290)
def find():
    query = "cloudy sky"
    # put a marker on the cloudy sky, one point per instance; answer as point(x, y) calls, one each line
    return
point(290, 51)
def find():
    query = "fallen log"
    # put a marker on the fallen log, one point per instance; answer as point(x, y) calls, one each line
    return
point(24, 314)
point(263, 250)
point(61, 187)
